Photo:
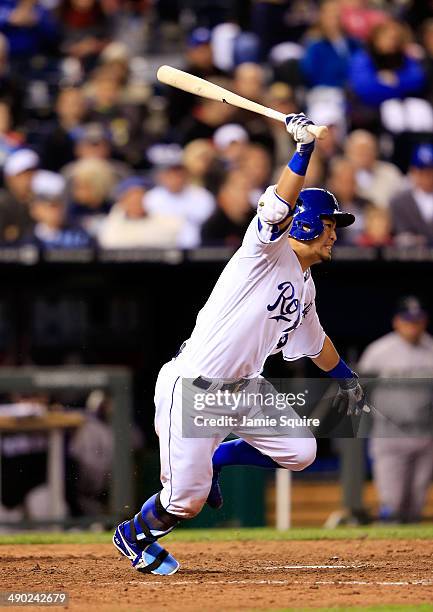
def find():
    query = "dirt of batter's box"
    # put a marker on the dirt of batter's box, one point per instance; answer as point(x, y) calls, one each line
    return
point(230, 576)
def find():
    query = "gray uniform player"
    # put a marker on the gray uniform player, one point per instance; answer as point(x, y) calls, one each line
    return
point(402, 441)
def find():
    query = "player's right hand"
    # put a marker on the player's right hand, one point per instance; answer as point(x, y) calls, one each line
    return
point(296, 125)
point(351, 398)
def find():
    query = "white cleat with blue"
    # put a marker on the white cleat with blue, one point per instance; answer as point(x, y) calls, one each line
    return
point(146, 558)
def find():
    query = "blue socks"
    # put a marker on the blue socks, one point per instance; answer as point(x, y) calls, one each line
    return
point(153, 521)
point(239, 452)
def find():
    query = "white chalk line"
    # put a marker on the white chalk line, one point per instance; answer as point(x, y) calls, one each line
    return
point(204, 582)
point(284, 582)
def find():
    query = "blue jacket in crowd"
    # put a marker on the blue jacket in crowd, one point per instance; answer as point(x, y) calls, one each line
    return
point(328, 64)
point(27, 41)
point(365, 80)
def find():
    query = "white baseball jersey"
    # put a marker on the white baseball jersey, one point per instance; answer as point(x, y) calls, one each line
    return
point(262, 303)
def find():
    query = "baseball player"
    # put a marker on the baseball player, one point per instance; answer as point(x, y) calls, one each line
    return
point(262, 303)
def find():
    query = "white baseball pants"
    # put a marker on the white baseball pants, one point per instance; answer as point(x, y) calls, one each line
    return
point(186, 463)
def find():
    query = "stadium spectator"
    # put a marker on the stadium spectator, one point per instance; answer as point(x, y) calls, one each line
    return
point(246, 48)
point(416, 13)
point(281, 97)
point(228, 224)
point(427, 40)
point(384, 70)
point(277, 22)
point(377, 181)
point(256, 164)
point(116, 58)
point(58, 148)
point(130, 25)
point(91, 450)
point(249, 82)
point(402, 442)
point(91, 455)
point(30, 29)
point(359, 17)
point(385, 75)
point(231, 142)
point(377, 228)
point(92, 182)
point(10, 139)
point(198, 157)
point(85, 30)
point(11, 84)
point(316, 172)
point(224, 36)
point(330, 48)
point(412, 209)
point(128, 71)
point(328, 110)
point(198, 61)
point(48, 210)
point(15, 219)
point(174, 194)
point(121, 121)
point(92, 141)
point(206, 117)
point(128, 224)
point(342, 183)
point(23, 458)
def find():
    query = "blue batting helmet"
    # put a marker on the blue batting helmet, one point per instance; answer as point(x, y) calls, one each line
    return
point(312, 205)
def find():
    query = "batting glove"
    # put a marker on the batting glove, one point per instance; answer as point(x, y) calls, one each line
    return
point(351, 398)
point(296, 125)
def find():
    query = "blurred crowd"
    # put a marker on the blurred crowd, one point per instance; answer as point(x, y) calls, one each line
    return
point(88, 454)
point(95, 152)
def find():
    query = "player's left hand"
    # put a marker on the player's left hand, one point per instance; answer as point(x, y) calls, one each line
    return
point(296, 125)
point(351, 398)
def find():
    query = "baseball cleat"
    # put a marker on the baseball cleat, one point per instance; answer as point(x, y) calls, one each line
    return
point(146, 558)
point(215, 498)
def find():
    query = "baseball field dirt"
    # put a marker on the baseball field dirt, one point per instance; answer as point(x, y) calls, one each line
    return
point(215, 575)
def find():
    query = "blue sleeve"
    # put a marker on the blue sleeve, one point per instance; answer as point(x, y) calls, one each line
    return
point(412, 77)
point(364, 81)
point(371, 90)
point(4, 16)
point(47, 25)
point(309, 63)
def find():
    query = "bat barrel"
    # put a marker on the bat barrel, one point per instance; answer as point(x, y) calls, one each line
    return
point(206, 89)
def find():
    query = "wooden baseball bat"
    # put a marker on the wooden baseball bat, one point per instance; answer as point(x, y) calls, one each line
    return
point(206, 89)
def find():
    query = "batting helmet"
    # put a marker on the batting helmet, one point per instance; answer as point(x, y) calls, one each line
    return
point(313, 204)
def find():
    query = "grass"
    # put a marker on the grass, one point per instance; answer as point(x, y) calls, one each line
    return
point(418, 532)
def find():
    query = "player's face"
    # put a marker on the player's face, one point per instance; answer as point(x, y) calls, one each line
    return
point(322, 246)
point(411, 331)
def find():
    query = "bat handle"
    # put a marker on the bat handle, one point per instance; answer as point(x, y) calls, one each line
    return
point(318, 131)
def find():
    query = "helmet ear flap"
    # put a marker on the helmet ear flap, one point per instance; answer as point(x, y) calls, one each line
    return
point(311, 206)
